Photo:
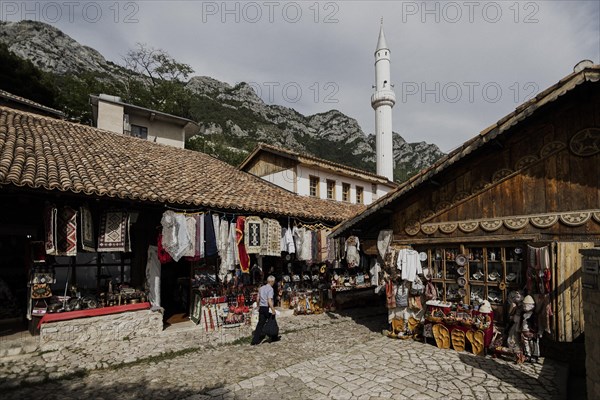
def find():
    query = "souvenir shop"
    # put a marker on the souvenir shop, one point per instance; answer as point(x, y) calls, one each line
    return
point(485, 248)
point(475, 297)
point(81, 258)
point(71, 258)
point(232, 255)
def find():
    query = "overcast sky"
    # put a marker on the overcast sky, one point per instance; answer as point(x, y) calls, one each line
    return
point(457, 67)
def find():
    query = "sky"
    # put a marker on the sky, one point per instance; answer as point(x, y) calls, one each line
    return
point(457, 66)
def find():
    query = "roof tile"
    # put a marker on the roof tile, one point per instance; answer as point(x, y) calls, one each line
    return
point(42, 152)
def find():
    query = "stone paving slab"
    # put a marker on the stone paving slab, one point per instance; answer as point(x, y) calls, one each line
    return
point(321, 357)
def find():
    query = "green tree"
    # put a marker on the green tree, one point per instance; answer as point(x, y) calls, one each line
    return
point(22, 78)
point(156, 80)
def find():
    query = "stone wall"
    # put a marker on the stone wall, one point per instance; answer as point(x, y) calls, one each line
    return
point(106, 328)
point(591, 310)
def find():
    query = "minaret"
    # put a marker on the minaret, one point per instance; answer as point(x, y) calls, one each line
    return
point(382, 102)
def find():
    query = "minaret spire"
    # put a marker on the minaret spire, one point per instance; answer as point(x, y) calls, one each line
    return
point(382, 102)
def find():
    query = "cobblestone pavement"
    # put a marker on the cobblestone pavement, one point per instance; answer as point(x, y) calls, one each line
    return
point(319, 357)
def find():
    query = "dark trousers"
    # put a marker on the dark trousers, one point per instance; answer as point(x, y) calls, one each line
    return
point(263, 315)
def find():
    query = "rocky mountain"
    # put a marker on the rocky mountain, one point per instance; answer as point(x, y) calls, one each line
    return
point(232, 118)
point(49, 49)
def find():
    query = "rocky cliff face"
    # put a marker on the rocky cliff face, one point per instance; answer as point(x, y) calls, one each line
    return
point(331, 135)
point(51, 50)
point(232, 119)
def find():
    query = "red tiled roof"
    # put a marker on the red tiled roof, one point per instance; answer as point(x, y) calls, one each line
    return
point(46, 153)
point(30, 103)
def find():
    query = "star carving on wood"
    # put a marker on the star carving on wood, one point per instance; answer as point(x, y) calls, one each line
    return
point(586, 142)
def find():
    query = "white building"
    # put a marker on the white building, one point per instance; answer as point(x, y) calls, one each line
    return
point(312, 176)
point(382, 102)
point(111, 114)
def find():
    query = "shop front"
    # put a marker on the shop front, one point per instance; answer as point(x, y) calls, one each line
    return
point(496, 225)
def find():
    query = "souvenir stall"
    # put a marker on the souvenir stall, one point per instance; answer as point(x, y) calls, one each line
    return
point(471, 297)
point(83, 269)
point(231, 256)
point(417, 309)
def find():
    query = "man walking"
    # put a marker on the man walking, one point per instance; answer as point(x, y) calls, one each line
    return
point(265, 304)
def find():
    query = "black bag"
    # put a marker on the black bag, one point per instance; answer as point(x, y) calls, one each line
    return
point(271, 328)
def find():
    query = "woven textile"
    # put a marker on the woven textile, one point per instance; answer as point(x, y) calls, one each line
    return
point(239, 234)
point(114, 232)
point(272, 244)
point(50, 212)
point(66, 232)
point(87, 229)
point(252, 235)
point(322, 239)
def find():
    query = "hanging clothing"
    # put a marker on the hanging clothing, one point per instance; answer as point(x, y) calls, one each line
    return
point(163, 256)
point(217, 231)
point(331, 249)
point(176, 238)
point(244, 257)
point(290, 246)
point(298, 234)
point(383, 241)
point(190, 226)
point(352, 247)
point(233, 250)
point(153, 276)
point(409, 263)
point(210, 236)
point(374, 273)
point(50, 212)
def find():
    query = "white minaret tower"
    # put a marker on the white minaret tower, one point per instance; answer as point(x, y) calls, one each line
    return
point(382, 102)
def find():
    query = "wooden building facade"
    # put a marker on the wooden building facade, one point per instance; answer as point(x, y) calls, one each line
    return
point(529, 183)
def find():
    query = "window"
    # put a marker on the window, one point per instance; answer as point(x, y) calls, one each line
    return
point(374, 191)
point(314, 186)
point(330, 189)
point(139, 131)
point(359, 195)
point(345, 192)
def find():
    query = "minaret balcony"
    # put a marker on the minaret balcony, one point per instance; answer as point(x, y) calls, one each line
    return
point(383, 97)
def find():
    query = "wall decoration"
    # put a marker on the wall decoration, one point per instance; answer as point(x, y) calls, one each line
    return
point(501, 174)
point(543, 221)
point(468, 226)
point(575, 219)
point(516, 223)
point(429, 229)
point(526, 161)
point(412, 227)
point(460, 196)
point(551, 148)
point(448, 227)
point(490, 225)
point(586, 142)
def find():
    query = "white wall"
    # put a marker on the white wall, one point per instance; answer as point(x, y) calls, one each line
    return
point(160, 131)
point(304, 173)
point(284, 179)
point(110, 117)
